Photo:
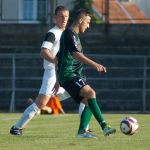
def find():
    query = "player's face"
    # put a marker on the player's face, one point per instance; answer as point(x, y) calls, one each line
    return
point(61, 19)
point(85, 23)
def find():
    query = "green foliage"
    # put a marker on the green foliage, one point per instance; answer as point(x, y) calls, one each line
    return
point(46, 132)
point(87, 4)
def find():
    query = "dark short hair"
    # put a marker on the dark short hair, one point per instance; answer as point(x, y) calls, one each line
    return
point(60, 8)
point(81, 12)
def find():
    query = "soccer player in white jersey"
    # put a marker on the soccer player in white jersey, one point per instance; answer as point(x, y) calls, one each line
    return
point(49, 49)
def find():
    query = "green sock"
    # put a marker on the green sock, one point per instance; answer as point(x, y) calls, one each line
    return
point(96, 111)
point(85, 118)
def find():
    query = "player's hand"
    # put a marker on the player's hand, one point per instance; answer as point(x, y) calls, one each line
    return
point(55, 61)
point(100, 68)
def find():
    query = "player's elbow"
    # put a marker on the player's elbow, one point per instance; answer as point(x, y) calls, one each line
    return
point(75, 55)
point(42, 53)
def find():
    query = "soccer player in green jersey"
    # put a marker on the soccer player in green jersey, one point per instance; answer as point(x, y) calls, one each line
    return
point(71, 77)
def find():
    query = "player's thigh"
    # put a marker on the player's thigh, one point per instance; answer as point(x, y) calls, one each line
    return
point(42, 100)
point(48, 83)
point(74, 86)
point(87, 92)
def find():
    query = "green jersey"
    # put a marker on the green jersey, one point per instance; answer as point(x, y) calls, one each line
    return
point(69, 67)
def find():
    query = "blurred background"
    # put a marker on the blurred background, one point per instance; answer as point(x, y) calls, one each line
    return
point(119, 38)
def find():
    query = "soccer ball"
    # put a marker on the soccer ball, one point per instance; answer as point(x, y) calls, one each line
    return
point(129, 126)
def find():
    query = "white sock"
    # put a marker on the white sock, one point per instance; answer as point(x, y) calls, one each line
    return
point(28, 114)
point(81, 108)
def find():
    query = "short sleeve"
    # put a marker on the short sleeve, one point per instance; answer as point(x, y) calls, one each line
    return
point(48, 40)
point(70, 41)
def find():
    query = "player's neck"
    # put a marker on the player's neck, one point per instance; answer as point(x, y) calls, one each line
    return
point(60, 28)
point(75, 28)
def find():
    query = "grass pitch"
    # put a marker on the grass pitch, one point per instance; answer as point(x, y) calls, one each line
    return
point(46, 132)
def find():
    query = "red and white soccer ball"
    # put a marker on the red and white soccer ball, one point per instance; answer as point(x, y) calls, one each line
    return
point(129, 126)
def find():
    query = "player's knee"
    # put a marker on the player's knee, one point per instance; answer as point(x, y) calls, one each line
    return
point(91, 94)
point(41, 102)
point(40, 105)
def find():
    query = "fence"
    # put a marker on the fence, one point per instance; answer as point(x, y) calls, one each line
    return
point(21, 74)
point(15, 68)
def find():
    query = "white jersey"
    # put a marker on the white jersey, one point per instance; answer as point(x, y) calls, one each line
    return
point(52, 42)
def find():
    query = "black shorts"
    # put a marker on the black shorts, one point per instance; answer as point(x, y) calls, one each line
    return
point(74, 86)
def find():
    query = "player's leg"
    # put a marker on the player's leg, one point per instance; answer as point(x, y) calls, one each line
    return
point(28, 115)
point(81, 109)
point(73, 87)
point(41, 101)
point(90, 94)
point(84, 120)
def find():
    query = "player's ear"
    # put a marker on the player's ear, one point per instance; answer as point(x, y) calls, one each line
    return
point(80, 21)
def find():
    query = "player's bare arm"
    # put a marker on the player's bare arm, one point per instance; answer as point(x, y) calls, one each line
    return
point(78, 56)
point(46, 54)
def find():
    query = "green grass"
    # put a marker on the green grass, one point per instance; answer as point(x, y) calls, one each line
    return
point(46, 132)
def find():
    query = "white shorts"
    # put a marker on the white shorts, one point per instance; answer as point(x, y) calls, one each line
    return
point(48, 82)
point(62, 94)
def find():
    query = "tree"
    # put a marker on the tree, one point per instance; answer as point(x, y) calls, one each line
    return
point(87, 4)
